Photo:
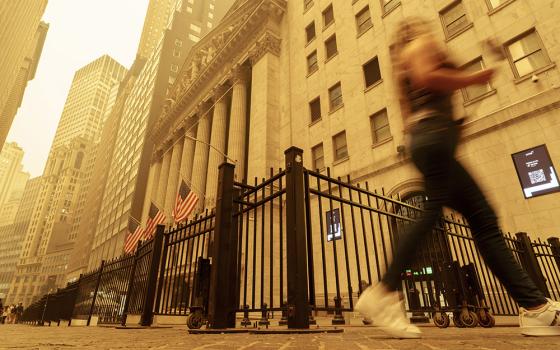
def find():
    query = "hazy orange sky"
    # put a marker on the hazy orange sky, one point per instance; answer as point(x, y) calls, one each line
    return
point(80, 31)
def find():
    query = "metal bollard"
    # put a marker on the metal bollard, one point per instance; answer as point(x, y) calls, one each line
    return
point(264, 317)
point(246, 321)
point(338, 318)
point(284, 320)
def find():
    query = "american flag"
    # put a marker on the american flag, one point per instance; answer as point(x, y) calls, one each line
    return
point(135, 233)
point(185, 202)
point(155, 217)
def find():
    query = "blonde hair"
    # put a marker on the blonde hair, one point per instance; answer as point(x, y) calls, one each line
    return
point(407, 30)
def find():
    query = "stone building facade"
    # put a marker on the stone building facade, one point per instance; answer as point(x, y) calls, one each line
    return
point(317, 74)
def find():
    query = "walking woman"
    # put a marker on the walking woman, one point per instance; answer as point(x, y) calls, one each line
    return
point(426, 80)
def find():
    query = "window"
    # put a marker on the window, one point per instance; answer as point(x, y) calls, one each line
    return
point(315, 109)
point(474, 91)
point(310, 32)
point(176, 53)
point(328, 16)
point(174, 68)
point(79, 160)
point(195, 28)
point(388, 5)
point(380, 127)
point(194, 38)
point(312, 65)
point(318, 157)
point(492, 4)
point(340, 147)
point(307, 4)
point(331, 47)
point(526, 54)
point(363, 20)
point(335, 96)
point(372, 74)
point(178, 42)
point(454, 19)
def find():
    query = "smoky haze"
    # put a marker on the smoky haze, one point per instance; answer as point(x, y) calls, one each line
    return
point(80, 31)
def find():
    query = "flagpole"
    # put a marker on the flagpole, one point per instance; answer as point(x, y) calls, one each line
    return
point(213, 147)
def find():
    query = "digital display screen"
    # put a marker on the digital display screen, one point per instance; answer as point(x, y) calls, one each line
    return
point(334, 228)
point(536, 172)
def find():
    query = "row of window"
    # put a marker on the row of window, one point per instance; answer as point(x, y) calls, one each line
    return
point(380, 131)
point(372, 75)
point(525, 52)
point(386, 5)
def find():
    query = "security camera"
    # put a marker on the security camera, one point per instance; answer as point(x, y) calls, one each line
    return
point(535, 78)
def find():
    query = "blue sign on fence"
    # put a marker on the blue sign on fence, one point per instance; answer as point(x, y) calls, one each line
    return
point(334, 228)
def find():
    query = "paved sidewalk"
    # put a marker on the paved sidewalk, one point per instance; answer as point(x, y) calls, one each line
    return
point(361, 338)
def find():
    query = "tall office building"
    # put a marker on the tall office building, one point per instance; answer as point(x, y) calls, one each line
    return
point(318, 75)
point(9, 208)
point(124, 194)
point(12, 236)
point(92, 194)
point(155, 23)
point(10, 171)
point(21, 38)
point(49, 241)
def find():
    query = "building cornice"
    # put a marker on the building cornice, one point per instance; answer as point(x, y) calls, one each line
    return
point(249, 32)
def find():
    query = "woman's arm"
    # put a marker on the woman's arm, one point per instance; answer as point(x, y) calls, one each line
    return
point(424, 59)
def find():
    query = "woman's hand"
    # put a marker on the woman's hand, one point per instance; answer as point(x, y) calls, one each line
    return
point(482, 77)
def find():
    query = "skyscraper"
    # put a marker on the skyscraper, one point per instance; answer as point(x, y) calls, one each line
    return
point(48, 241)
point(10, 206)
point(12, 235)
point(10, 171)
point(155, 23)
point(124, 194)
point(21, 39)
point(93, 190)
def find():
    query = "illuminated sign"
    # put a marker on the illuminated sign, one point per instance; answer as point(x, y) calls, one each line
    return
point(536, 172)
point(334, 228)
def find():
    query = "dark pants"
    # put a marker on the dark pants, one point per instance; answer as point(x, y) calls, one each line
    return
point(433, 145)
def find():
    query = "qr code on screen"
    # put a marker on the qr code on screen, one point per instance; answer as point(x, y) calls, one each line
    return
point(537, 176)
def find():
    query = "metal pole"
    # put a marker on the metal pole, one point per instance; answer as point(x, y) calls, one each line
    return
point(148, 307)
point(296, 242)
point(100, 272)
point(130, 285)
point(223, 278)
point(555, 248)
point(530, 262)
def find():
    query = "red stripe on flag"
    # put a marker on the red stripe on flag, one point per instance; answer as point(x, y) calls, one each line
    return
point(132, 240)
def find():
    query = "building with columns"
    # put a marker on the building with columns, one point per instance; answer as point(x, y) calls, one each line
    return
point(317, 74)
point(124, 192)
point(21, 37)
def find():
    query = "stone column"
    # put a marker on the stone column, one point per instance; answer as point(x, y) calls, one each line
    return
point(163, 178)
point(218, 149)
point(200, 164)
point(174, 167)
point(238, 121)
point(151, 189)
point(187, 158)
point(264, 148)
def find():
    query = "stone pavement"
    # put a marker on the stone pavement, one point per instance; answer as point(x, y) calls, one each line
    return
point(361, 338)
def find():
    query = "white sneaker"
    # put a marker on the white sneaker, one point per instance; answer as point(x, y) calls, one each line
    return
point(542, 322)
point(385, 310)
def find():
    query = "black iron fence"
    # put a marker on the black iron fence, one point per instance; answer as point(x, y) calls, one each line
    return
point(297, 242)
point(182, 247)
